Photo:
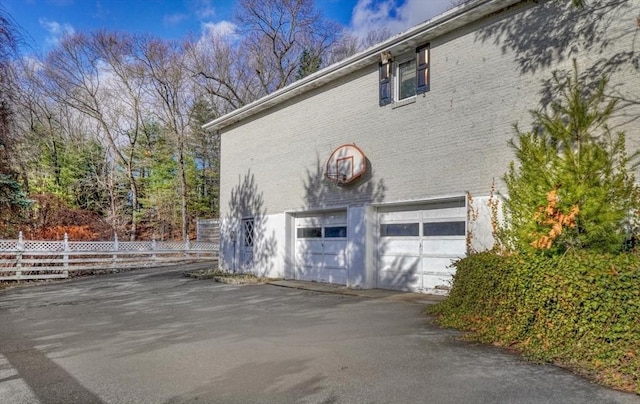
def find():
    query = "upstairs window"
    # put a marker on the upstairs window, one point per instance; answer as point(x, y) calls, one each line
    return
point(406, 79)
point(410, 77)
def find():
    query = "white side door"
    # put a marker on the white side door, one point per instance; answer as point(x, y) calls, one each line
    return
point(247, 241)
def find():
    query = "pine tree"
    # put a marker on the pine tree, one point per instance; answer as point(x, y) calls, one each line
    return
point(310, 63)
point(573, 187)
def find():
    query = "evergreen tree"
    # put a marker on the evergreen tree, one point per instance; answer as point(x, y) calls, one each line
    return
point(204, 164)
point(310, 63)
point(573, 186)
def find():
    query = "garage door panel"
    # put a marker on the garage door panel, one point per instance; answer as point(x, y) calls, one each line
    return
point(308, 273)
point(309, 246)
point(335, 261)
point(334, 246)
point(399, 280)
point(442, 271)
point(436, 281)
point(402, 216)
point(443, 213)
point(310, 259)
point(394, 246)
point(444, 246)
point(399, 263)
point(438, 264)
point(311, 221)
point(335, 218)
point(332, 275)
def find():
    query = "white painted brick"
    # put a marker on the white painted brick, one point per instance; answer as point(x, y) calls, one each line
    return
point(451, 140)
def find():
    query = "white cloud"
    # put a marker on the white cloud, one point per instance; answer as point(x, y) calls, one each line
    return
point(213, 32)
point(204, 9)
point(56, 30)
point(219, 29)
point(396, 16)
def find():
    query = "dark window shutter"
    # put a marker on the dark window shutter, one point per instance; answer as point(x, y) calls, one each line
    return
point(422, 69)
point(385, 84)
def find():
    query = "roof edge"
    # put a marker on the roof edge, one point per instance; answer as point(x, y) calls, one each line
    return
point(446, 22)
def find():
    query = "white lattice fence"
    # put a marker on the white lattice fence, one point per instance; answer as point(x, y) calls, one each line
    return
point(170, 245)
point(29, 259)
point(91, 245)
point(44, 245)
point(8, 245)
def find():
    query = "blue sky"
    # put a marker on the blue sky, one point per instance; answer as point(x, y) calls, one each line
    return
point(45, 21)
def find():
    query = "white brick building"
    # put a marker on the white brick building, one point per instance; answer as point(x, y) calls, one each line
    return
point(433, 110)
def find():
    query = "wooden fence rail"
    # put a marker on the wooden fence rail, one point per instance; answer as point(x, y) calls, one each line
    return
point(30, 259)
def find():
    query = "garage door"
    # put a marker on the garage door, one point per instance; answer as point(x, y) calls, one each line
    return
point(417, 245)
point(321, 247)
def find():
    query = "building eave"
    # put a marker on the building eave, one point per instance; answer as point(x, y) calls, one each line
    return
point(427, 31)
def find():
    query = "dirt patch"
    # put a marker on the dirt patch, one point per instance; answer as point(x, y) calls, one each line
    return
point(228, 278)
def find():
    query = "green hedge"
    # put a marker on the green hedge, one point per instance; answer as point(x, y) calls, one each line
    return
point(580, 309)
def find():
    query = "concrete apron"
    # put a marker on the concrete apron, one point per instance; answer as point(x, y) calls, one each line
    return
point(390, 295)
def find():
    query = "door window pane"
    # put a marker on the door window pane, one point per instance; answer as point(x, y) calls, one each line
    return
point(335, 232)
point(310, 232)
point(444, 229)
point(400, 230)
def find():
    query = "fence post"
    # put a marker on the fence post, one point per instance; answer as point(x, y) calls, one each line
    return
point(115, 249)
point(154, 246)
point(65, 257)
point(187, 247)
point(19, 252)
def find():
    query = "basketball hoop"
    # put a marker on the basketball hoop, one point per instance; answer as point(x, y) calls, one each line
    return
point(345, 164)
point(337, 178)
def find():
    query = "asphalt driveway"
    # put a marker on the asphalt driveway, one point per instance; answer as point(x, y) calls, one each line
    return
point(153, 336)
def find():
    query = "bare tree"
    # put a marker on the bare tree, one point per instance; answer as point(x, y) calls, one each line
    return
point(264, 54)
point(173, 97)
point(349, 44)
point(12, 199)
point(277, 32)
point(8, 51)
point(58, 142)
point(220, 68)
point(94, 74)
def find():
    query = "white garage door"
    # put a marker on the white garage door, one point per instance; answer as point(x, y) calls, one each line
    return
point(321, 247)
point(418, 244)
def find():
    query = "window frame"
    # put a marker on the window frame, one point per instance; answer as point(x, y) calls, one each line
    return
point(248, 232)
point(341, 234)
point(412, 227)
point(309, 233)
point(389, 84)
point(397, 84)
point(442, 230)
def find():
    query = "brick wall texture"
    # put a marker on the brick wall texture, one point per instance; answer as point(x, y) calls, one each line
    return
point(485, 78)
